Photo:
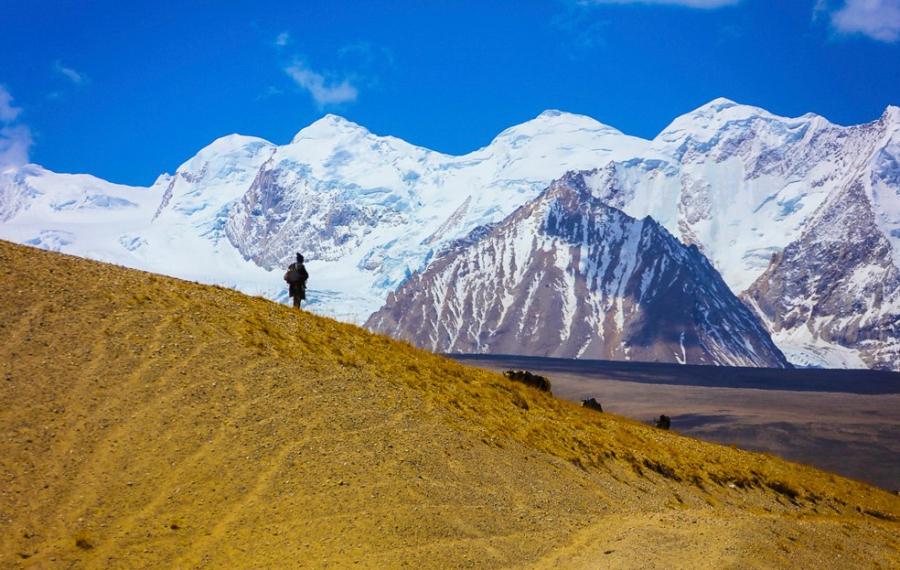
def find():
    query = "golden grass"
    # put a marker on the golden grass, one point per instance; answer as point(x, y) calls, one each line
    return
point(154, 422)
point(501, 410)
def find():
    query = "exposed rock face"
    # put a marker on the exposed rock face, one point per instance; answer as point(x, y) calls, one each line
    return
point(286, 210)
point(566, 275)
point(372, 209)
point(744, 185)
point(736, 181)
point(15, 194)
point(837, 283)
point(202, 188)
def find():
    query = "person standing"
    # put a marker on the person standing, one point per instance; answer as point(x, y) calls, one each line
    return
point(296, 277)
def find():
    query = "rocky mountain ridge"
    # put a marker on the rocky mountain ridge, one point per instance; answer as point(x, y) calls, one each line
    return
point(738, 182)
point(566, 275)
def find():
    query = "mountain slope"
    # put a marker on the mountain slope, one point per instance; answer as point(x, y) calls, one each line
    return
point(57, 211)
point(836, 283)
point(174, 227)
point(743, 184)
point(154, 422)
point(738, 182)
point(365, 209)
point(368, 210)
point(566, 275)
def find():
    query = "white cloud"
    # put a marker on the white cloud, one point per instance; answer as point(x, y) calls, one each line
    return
point(15, 139)
point(320, 89)
point(877, 19)
point(703, 4)
point(75, 77)
point(282, 39)
point(8, 113)
point(15, 142)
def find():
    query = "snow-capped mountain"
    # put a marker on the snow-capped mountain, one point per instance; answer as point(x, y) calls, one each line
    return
point(566, 275)
point(369, 211)
point(366, 210)
point(55, 211)
point(838, 281)
point(173, 227)
point(743, 184)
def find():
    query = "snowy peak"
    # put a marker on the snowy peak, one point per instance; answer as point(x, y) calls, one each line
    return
point(722, 107)
point(223, 156)
point(836, 281)
point(723, 118)
point(554, 123)
point(568, 276)
point(232, 143)
point(728, 109)
point(204, 186)
point(550, 113)
point(891, 116)
point(721, 103)
point(328, 127)
point(555, 117)
point(705, 121)
point(738, 182)
point(555, 142)
point(335, 143)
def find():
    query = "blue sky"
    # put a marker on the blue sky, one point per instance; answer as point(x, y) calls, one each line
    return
point(127, 90)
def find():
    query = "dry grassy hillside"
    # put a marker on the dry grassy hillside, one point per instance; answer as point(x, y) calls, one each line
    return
point(150, 422)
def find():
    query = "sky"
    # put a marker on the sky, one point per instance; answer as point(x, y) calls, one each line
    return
point(129, 90)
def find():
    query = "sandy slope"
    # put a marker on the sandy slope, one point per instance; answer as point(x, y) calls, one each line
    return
point(843, 421)
point(150, 422)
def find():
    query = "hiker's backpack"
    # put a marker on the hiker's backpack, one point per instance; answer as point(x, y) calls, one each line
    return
point(293, 275)
point(296, 275)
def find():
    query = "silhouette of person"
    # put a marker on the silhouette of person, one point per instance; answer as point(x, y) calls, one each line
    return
point(296, 277)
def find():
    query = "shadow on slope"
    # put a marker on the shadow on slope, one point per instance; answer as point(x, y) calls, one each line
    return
point(796, 379)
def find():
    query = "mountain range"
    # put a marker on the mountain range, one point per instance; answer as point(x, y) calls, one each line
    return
point(800, 217)
point(567, 275)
